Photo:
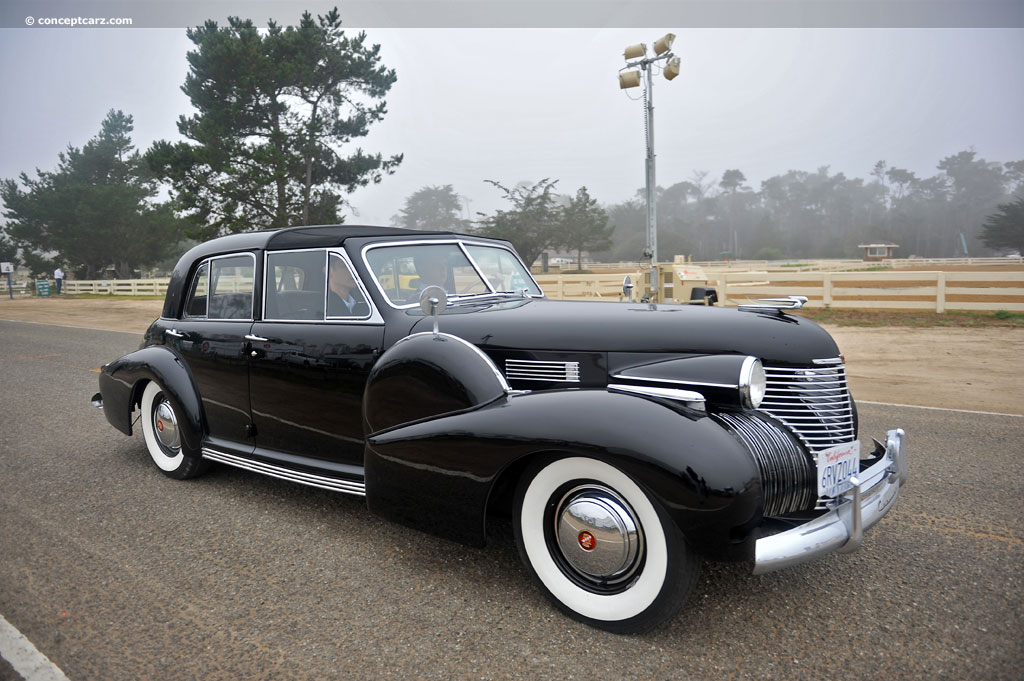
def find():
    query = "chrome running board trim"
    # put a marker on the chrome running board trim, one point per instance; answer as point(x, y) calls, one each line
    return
point(274, 471)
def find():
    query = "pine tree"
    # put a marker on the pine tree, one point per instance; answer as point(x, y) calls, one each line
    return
point(275, 110)
point(94, 211)
point(584, 226)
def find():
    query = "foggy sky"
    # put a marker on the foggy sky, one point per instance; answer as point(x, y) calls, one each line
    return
point(525, 104)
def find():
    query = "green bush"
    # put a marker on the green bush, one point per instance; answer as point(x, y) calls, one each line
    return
point(769, 254)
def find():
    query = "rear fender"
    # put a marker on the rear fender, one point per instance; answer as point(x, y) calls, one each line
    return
point(122, 381)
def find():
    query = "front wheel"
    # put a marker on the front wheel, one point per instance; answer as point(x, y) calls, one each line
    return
point(161, 427)
point(601, 549)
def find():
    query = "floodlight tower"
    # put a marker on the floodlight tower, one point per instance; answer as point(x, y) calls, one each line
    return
point(636, 57)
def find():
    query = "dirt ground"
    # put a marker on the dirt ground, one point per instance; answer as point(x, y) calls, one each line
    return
point(957, 368)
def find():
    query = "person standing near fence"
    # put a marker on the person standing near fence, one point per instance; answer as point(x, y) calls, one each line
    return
point(58, 276)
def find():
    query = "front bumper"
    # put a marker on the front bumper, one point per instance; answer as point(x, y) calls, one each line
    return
point(841, 529)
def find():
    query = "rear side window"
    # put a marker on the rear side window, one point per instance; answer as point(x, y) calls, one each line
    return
point(196, 305)
point(231, 283)
point(222, 288)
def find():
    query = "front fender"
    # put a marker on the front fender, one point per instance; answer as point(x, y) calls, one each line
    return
point(437, 475)
point(121, 382)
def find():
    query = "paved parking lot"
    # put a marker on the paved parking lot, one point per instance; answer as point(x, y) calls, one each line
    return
point(117, 572)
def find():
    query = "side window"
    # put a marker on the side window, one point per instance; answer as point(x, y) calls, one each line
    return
point(503, 270)
point(344, 297)
point(232, 284)
point(296, 285)
point(196, 304)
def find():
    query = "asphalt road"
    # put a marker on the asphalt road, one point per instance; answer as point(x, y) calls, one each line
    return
point(117, 572)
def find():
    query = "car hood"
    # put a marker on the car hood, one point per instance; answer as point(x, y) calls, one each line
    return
point(565, 326)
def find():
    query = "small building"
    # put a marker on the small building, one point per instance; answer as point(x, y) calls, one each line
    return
point(877, 252)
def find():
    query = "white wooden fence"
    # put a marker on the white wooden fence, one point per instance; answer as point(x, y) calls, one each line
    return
point(938, 291)
point(119, 287)
point(923, 262)
point(807, 265)
point(887, 289)
point(586, 286)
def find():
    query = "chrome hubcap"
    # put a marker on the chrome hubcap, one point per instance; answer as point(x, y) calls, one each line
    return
point(165, 427)
point(597, 534)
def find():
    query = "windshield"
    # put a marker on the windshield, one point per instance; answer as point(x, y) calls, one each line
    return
point(403, 271)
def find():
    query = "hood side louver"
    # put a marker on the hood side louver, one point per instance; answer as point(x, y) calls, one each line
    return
point(541, 370)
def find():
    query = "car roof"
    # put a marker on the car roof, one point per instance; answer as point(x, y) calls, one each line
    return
point(309, 236)
point(326, 236)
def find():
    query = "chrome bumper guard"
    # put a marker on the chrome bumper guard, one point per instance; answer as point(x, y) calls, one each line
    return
point(841, 529)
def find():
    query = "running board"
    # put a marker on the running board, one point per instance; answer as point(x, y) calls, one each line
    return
point(310, 479)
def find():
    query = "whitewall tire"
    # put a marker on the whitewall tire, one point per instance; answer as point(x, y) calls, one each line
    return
point(601, 549)
point(161, 427)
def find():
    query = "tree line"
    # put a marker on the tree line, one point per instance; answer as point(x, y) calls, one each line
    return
point(795, 215)
point(278, 110)
point(820, 214)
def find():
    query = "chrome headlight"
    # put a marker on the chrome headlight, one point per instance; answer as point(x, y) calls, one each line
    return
point(752, 383)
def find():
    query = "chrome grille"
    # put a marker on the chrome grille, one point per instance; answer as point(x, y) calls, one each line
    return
point(813, 401)
point(787, 471)
point(542, 370)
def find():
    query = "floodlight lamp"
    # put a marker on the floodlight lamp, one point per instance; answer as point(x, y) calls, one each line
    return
point(672, 68)
point(664, 43)
point(635, 51)
point(629, 79)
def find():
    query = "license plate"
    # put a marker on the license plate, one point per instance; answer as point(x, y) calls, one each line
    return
point(835, 467)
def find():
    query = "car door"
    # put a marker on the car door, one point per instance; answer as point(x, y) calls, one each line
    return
point(211, 338)
point(311, 360)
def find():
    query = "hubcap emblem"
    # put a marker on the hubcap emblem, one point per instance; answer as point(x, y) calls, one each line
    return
point(165, 427)
point(586, 513)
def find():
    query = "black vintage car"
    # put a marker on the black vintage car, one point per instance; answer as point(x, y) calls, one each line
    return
point(429, 373)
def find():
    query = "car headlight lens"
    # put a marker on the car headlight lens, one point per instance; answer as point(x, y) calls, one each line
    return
point(752, 383)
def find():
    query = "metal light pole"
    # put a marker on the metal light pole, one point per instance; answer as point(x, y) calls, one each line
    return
point(629, 79)
point(652, 211)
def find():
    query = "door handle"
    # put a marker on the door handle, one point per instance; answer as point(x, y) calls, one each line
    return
point(174, 332)
point(257, 339)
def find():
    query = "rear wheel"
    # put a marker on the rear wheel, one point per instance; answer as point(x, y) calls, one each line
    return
point(601, 549)
point(161, 427)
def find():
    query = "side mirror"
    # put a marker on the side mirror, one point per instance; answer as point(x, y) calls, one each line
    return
point(627, 288)
point(433, 300)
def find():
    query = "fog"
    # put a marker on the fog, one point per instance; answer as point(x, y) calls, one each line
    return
point(524, 104)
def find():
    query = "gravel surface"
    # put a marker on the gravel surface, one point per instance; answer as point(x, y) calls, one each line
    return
point(117, 572)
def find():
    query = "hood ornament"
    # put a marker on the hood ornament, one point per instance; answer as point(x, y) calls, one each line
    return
point(433, 300)
point(776, 304)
